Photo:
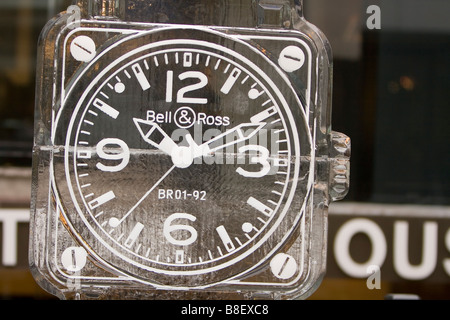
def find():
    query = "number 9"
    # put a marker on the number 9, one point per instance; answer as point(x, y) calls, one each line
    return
point(114, 153)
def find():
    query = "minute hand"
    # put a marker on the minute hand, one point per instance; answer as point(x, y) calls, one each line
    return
point(227, 138)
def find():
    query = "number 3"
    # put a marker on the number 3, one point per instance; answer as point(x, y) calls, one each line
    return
point(262, 160)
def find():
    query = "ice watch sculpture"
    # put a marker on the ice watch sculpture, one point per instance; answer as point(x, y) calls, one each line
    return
point(183, 150)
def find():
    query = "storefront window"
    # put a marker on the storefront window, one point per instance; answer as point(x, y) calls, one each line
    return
point(21, 22)
point(391, 96)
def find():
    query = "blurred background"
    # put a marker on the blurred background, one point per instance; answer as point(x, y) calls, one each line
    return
point(391, 234)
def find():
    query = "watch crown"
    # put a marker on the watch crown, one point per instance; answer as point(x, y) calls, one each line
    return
point(339, 165)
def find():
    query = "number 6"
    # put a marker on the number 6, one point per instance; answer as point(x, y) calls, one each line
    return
point(168, 228)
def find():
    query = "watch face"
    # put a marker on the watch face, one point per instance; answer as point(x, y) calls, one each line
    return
point(184, 158)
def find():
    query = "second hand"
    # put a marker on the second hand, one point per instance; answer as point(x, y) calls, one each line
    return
point(114, 222)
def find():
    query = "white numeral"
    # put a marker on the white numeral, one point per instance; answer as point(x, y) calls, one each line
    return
point(107, 150)
point(169, 228)
point(181, 93)
point(262, 160)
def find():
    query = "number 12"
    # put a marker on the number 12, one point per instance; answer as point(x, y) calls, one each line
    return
point(181, 98)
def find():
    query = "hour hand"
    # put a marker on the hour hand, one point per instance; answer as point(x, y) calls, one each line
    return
point(155, 136)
